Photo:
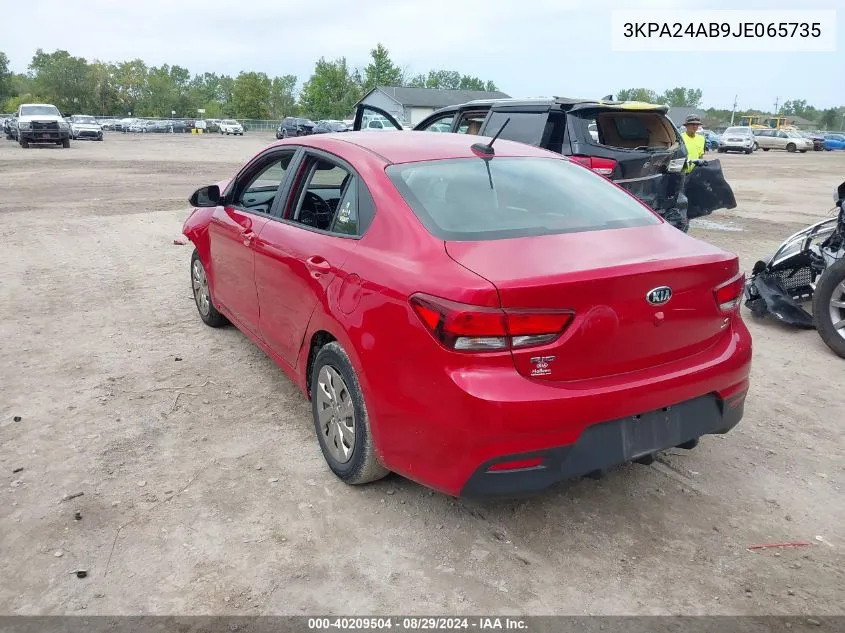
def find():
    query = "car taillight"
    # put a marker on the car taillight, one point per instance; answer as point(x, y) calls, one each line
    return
point(603, 166)
point(729, 294)
point(468, 328)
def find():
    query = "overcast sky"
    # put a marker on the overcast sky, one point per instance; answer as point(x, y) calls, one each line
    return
point(533, 48)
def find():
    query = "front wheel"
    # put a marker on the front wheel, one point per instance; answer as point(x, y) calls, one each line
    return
point(803, 151)
point(790, 148)
point(341, 419)
point(756, 147)
point(24, 144)
point(202, 295)
point(66, 143)
point(284, 132)
point(766, 149)
point(829, 307)
point(748, 151)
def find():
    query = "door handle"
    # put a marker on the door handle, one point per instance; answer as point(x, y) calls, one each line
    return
point(247, 236)
point(318, 264)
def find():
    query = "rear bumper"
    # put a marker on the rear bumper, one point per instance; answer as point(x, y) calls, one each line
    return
point(603, 446)
point(488, 413)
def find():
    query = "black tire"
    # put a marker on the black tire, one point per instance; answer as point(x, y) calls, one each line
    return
point(24, 144)
point(766, 149)
point(284, 132)
point(803, 151)
point(213, 318)
point(790, 148)
point(66, 143)
point(828, 283)
point(748, 151)
point(721, 151)
point(362, 466)
point(756, 147)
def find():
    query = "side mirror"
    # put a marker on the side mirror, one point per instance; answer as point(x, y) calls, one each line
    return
point(206, 197)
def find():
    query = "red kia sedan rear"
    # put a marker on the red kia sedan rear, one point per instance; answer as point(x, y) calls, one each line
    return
point(481, 324)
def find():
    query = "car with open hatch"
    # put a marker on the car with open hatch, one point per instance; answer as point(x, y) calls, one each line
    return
point(481, 316)
point(632, 143)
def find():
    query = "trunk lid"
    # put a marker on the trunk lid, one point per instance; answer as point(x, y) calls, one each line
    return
point(604, 277)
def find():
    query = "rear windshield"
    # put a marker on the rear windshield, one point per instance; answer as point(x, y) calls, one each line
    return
point(634, 130)
point(471, 199)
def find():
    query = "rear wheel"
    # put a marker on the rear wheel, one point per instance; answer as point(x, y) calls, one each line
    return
point(284, 132)
point(721, 150)
point(756, 147)
point(202, 295)
point(790, 147)
point(829, 307)
point(748, 151)
point(803, 151)
point(341, 419)
point(766, 149)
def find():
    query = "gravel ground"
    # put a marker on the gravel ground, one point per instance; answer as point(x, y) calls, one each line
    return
point(204, 487)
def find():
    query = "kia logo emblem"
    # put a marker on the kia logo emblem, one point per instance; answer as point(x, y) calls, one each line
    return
point(658, 296)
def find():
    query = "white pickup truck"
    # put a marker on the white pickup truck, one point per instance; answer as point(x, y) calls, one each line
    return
point(42, 123)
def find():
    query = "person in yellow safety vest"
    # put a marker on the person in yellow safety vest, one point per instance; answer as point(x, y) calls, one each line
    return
point(695, 142)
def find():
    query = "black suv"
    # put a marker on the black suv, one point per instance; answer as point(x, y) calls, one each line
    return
point(294, 126)
point(634, 144)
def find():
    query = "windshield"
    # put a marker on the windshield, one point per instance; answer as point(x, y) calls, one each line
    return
point(230, 122)
point(35, 110)
point(84, 119)
point(473, 199)
point(738, 130)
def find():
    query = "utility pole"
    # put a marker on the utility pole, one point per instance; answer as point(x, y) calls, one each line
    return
point(777, 100)
point(734, 110)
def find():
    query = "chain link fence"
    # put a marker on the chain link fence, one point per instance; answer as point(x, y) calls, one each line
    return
point(253, 125)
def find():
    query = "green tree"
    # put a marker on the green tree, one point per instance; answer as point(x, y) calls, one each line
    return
point(5, 78)
point(829, 119)
point(130, 80)
point(681, 98)
point(283, 97)
point(331, 92)
point(64, 80)
point(637, 94)
point(251, 95)
point(381, 71)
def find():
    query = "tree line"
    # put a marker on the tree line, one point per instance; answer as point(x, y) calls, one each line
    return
point(829, 118)
point(76, 85)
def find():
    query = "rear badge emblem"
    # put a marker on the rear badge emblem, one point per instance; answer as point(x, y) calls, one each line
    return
point(659, 296)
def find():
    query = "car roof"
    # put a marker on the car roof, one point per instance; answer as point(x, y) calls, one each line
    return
point(570, 104)
point(397, 147)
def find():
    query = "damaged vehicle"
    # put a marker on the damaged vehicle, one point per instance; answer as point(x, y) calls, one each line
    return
point(84, 126)
point(808, 266)
point(631, 143)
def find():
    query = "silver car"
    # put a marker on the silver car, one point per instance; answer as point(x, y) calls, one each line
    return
point(737, 139)
point(84, 126)
point(783, 139)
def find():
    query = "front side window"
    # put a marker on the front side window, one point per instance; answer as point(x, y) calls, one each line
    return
point(259, 191)
point(472, 199)
point(442, 124)
point(471, 123)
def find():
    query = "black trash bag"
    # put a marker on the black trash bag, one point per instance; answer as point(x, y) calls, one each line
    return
point(707, 190)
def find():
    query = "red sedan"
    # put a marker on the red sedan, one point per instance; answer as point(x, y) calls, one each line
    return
point(481, 319)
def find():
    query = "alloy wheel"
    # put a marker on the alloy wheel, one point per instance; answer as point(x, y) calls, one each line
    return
point(199, 282)
point(837, 309)
point(336, 414)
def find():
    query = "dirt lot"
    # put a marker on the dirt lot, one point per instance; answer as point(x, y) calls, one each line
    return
point(204, 487)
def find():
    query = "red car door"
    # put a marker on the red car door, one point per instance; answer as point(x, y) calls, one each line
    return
point(234, 229)
point(299, 256)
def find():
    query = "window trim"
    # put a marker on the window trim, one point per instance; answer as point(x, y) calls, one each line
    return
point(434, 121)
point(292, 195)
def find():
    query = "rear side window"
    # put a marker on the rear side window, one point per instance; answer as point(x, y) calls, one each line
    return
point(471, 199)
point(524, 127)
